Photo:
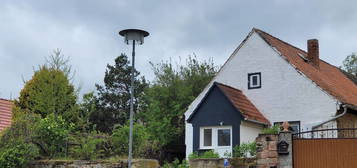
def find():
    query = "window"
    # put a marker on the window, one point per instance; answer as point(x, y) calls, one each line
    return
point(207, 139)
point(294, 126)
point(212, 137)
point(254, 80)
point(224, 137)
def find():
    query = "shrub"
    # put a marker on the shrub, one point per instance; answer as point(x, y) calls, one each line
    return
point(253, 149)
point(51, 134)
point(89, 147)
point(18, 155)
point(206, 155)
point(245, 150)
point(120, 140)
point(193, 155)
point(21, 128)
point(210, 154)
point(272, 130)
point(176, 164)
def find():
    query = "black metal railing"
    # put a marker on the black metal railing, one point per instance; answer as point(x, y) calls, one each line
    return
point(327, 133)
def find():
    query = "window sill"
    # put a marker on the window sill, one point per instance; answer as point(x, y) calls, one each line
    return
point(205, 148)
point(214, 147)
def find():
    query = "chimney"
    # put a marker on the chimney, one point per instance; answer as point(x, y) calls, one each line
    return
point(313, 51)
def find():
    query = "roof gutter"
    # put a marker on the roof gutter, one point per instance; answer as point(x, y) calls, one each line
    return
point(256, 122)
point(345, 106)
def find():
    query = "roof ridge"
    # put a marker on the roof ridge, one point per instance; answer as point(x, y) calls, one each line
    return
point(261, 31)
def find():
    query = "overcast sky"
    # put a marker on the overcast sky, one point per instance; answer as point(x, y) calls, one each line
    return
point(87, 32)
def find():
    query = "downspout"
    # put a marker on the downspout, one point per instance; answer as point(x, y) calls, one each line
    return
point(334, 118)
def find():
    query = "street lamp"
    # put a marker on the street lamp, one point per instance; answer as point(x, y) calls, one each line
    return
point(132, 36)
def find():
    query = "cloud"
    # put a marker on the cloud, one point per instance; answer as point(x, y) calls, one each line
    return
point(87, 31)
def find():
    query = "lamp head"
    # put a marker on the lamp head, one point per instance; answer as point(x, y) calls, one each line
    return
point(136, 35)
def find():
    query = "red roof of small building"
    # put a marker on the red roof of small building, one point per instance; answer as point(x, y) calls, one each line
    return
point(328, 77)
point(5, 113)
point(243, 104)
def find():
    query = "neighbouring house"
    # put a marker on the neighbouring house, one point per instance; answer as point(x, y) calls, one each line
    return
point(267, 81)
point(5, 113)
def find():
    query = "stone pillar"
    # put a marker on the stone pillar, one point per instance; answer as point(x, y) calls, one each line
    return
point(285, 160)
point(267, 155)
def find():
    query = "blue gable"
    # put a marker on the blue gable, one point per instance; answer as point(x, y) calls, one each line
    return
point(213, 110)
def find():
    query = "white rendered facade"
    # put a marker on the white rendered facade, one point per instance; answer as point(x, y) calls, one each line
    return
point(285, 94)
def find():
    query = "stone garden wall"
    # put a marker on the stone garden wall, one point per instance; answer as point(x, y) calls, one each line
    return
point(141, 163)
point(273, 151)
point(219, 163)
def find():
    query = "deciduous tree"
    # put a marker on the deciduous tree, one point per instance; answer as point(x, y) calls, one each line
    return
point(172, 91)
point(350, 64)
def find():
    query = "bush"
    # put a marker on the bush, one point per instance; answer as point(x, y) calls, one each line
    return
point(21, 128)
point(16, 149)
point(120, 140)
point(18, 155)
point(89, 147)
point(245, 150)
point(52, 134)
point(206, 155)
point(176, 164)
point(272, 130)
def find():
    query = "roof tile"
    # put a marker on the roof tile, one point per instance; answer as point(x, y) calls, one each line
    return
point(5, 113)
point(328, 77)
point(243, 104)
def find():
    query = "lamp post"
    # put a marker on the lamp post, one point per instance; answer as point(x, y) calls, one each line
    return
point(132, 36)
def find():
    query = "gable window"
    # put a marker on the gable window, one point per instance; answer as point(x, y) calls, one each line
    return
point(294, 126)
point(211, 137)
point(254, 80)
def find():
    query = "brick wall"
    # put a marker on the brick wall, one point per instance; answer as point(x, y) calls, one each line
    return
point(267, 150)
point(267, 155)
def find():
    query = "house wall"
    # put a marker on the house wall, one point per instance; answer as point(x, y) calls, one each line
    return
point(249, 131)
point(286, 94)
point(214, 109)
point(188, 138)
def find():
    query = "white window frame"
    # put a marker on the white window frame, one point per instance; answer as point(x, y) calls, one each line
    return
point(250, 80)
point(214, 137)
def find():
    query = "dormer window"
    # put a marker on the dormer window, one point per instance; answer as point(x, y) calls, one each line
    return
point(254, 80)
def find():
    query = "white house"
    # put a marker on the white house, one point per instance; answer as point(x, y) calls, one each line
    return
point(264, 82)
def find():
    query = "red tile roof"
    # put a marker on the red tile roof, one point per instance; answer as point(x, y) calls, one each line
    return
point(5, 113)
point(328, 77)
point(243, 104)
